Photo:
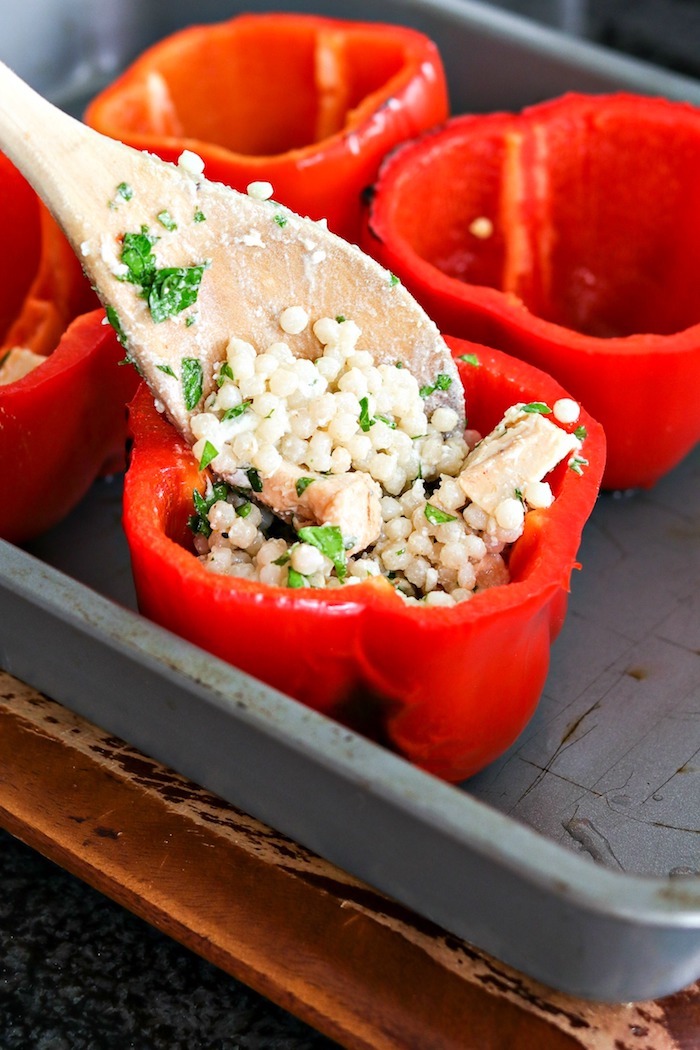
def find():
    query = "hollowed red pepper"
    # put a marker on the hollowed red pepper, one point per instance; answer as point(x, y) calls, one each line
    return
point(569, 236)
point(448, 688)
point(64, 422)
point(307, 103)
point(61, 426)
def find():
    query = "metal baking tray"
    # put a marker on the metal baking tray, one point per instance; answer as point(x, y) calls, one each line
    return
point(576, 857)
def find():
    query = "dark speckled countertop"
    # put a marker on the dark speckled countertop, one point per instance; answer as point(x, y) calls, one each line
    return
point(78, 972)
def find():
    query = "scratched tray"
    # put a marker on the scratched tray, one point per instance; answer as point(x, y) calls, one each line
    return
point(576, 857)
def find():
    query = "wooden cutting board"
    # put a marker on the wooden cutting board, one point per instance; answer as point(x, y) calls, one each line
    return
point(349, 961)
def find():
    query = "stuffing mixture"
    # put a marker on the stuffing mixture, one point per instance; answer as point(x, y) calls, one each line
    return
point(407, 496)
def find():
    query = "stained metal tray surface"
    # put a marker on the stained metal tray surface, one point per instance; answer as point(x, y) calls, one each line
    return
point(576, 856)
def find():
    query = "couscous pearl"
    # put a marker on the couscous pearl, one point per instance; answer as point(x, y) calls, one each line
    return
point(444, 419)
point(221, 515)
point(293, 320)
point(267, 460)
point(306, 559)
point(283, 382)
point(538, 494)
point(566, 410)
point(510, 513)
point(259, 191)
point(326, 330)
point(191, 163)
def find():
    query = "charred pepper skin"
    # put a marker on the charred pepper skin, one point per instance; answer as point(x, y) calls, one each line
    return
point(567, 235)
point(307, 103)
point(449, 689)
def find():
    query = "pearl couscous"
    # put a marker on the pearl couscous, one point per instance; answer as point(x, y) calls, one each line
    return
point(449, 503)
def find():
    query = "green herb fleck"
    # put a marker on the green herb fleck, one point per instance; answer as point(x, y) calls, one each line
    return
point(295, 579)
point(393, 280)
point(329, 540)
point(173, 289)
point(470, 359)
point(537, 407)
point(281, 220)
point(577, 463)
point(581, 433)
point(283, 559)
point(165, 219)
point(442, 382)
point(225, 372)
point(199, 521)
point(167, 369)
point(192, 382)
point(340, 318)
point(236, 411)
point(138, 257)
point(302, 485)
point(399, 364)
point(208, 454)
point(124, 192)
point(436, 516)
point(519, 495)
point(388, 422)
point(244, 509)
point(199, 216)
point(254, 479)
point(365, 420)
point(113, 318)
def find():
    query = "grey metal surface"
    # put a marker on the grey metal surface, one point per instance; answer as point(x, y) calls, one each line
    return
point(576, 856)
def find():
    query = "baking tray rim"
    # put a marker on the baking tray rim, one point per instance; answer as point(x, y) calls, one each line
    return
point(663, 904)
point(243, 698)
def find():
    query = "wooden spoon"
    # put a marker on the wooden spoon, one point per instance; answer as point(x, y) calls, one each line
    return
point(242, 261)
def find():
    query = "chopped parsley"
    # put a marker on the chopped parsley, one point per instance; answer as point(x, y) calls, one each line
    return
point(124, 192)
point(236, 411)
point(364, 419)
point(225, 372)
point(281, 220)
point(577, 463)
point(442, 382)
point(167, 369)
point(581, 433)
point(329, 540)
point(192, 382)
point(436, 516)
point(199, 216)
point(113, 318)
point(199, 521)
point(302, 485)
point(165, 219)
point(173, 289)
point(169, 290)
point(537, 407)
point(470, 359)
point(244, 509)
point(394, 280)
point(208, 454)
point(295, 579)
point(340, 318)
point(388, 422)
point(138, 257)
point(254, 479)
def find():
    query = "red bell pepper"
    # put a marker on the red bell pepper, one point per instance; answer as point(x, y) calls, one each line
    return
point(62, 425)
point(309, 104)
point(448, 688)
point(568, 236)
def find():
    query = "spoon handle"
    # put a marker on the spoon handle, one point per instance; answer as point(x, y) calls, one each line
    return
point(71, 167)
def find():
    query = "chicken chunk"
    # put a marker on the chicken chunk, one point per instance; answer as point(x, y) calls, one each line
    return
point(524, 448)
